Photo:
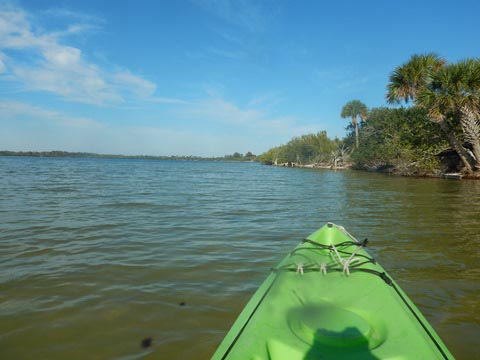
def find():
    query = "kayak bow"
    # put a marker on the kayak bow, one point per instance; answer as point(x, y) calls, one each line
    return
point(329, 299)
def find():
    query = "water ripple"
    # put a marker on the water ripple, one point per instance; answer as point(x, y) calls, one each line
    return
point(96, 254)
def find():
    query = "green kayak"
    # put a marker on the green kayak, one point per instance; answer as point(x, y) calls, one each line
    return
point(329, 299)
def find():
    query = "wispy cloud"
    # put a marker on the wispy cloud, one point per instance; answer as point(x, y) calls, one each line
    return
point(162, 100)
point(246, 119)
point(3, 67)
point(230, 38)
point(229, 54)
point(265, 100)
point(139, 86)
point(248, 14)
point(341, 79)
point(29, 127)
point(164, 141)
point(79, 17)
point(16, 110)
point(242, 38)
point(47, 64)
point(220, 110)
point(217, 52)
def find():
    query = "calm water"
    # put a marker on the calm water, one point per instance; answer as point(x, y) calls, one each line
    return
point(97, 254)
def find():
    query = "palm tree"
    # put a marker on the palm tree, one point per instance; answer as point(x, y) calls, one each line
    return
point(354, 109)
point(454, 92)
point(447, 92)
point(407, 80)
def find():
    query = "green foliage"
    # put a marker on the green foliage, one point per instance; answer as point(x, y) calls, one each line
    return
point(268, 156)
point(450, 93)
point(354, 108)
point(306, 149)
point(236, 156)
point(409, 78)
point(399, 140)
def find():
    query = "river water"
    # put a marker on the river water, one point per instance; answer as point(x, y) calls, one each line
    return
point(98, 254)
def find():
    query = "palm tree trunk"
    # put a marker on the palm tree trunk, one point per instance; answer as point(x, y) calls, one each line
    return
point(355, 125)
point(471, 128)
point(456, 144)
point(476, 153)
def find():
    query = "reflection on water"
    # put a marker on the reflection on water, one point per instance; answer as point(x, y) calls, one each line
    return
point(98, 254)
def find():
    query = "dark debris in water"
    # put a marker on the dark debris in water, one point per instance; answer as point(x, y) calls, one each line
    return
point(147, 342)
point(183, 303)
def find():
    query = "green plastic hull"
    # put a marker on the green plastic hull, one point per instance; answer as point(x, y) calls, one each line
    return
point(328, 299)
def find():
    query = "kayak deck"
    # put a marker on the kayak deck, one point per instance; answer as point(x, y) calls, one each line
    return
point(328, 299)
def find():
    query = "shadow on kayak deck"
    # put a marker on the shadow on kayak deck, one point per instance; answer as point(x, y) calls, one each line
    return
point(348, 344)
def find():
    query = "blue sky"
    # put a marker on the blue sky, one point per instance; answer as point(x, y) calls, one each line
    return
point(206, 77)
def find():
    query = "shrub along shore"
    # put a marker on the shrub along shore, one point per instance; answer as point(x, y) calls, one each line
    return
point(400, 141)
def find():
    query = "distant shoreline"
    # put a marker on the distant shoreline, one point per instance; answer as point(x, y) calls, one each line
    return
point(85, 155)
point(349, 166)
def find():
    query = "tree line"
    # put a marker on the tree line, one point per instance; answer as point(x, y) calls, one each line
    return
point(66, 154)
point(306, 149)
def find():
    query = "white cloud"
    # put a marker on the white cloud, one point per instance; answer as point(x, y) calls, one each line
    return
point(63, 56)
point(15, 110)
point(26, 126)
point(139, 86)
point(163, 141)
point(246, 119)
point(30, 127)
point(221, 110)
point(75, 81)
point(49, 65)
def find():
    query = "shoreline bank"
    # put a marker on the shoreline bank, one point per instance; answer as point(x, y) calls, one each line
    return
point(389, 171)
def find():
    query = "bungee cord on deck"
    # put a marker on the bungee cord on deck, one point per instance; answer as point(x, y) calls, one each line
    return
point(345, 265)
